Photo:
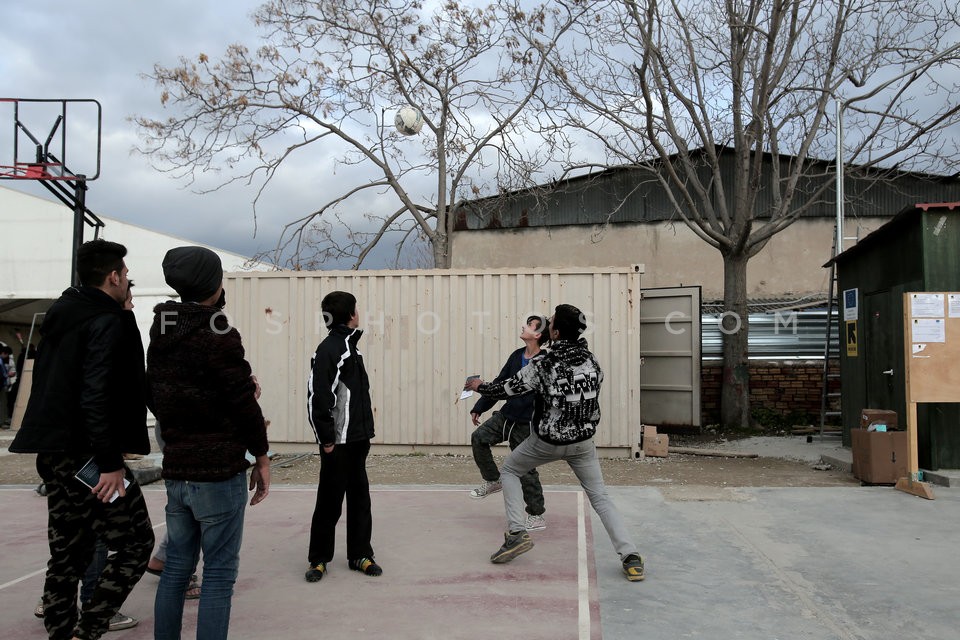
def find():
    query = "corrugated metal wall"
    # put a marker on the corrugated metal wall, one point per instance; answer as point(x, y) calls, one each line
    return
point(799, 334)
point(425, 331)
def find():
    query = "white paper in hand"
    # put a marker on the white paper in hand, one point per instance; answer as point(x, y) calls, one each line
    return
point(466, 393)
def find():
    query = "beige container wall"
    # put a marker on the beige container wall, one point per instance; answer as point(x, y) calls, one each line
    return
point(424, 332)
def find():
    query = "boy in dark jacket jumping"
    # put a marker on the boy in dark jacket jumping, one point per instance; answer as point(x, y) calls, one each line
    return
point(341, 415)
point(512, 424)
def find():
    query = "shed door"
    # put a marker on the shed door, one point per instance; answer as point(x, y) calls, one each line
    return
point(882, 352)
point(670, 347)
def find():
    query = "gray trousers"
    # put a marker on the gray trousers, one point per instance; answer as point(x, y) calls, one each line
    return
point(583, 461)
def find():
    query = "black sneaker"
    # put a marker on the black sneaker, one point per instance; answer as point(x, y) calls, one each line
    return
point(316, 572)
point(633, 567)
point(513, 545)
point(366, 566)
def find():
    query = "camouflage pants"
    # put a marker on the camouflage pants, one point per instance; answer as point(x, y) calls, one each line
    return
point(76, 518)
point(493, 431)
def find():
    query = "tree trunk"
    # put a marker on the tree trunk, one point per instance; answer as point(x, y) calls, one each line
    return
point(441, 250)
point(735, 392)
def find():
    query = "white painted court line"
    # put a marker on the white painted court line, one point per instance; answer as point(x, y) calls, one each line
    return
point(22, 578)
point(44, 570)
point(583, 573)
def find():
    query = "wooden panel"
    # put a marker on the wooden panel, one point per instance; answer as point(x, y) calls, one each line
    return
point(932, 371)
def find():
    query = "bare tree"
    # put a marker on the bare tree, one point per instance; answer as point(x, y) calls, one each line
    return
point(333, 73)
point(669, 86)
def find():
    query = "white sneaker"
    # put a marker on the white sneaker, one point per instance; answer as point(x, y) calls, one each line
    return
point(486, 489)
point(119, 622)
point(535, 523)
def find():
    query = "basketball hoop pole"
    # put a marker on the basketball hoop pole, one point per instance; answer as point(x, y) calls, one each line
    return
point(79, 211)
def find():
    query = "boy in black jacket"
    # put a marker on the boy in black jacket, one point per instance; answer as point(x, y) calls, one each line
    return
point(341, 415)
point(512, 424)
point(88, 402)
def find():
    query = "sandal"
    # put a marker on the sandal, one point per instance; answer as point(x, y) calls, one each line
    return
point(155, 572)
point(366, 566)
point(193, 588)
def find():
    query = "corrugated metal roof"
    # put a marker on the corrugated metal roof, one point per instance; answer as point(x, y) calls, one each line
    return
point(770, 305)
point(892, 227)
point(633, 194)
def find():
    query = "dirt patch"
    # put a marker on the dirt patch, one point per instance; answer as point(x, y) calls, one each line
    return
point(675, 470)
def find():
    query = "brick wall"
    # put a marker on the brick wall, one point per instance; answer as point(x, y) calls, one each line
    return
point(782, 387)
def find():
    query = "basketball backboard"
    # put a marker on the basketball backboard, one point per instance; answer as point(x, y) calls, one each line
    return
point(49, 139)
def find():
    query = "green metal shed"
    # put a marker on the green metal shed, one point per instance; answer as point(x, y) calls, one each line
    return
point(918, 250)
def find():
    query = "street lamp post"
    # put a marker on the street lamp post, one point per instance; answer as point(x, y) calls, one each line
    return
point(838, 243)
point(840, 104)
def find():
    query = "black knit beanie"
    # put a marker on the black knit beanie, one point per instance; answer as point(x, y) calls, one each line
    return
point(194, 272)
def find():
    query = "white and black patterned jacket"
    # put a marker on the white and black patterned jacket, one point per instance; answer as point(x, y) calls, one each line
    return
point(566, 381)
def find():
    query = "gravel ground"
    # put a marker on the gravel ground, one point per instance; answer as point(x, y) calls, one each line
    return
point(676, 470)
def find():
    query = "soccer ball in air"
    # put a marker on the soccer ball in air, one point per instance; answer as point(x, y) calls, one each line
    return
point(408, 121)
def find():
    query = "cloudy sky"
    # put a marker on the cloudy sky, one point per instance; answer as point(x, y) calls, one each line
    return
point(99, 49)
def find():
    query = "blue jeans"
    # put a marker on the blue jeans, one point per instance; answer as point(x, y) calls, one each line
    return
point(207, 516)
point(89, 581)
point(583, 461)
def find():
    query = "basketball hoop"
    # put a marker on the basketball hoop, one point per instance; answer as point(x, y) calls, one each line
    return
point(35, 171)
point(44, 156)
point(46, 162)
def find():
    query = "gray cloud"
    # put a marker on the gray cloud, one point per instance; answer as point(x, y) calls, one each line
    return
point(100, 50)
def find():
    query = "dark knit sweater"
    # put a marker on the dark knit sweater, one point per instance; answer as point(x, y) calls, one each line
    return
point(202, 394)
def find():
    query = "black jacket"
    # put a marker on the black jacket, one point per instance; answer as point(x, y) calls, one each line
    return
point(516, 408)
point(202, 394)
point(338, 390)
point(88, 392)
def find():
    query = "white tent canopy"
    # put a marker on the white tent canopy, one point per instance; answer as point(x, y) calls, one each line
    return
point(36, 253)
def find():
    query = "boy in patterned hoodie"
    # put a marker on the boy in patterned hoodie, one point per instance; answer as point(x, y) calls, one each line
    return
point(566, 383)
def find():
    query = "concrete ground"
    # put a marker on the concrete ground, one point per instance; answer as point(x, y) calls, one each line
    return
point(857, 563)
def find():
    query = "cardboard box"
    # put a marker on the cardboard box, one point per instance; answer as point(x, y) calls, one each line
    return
point(879, 457)
point(655, 444)
point(879, 416)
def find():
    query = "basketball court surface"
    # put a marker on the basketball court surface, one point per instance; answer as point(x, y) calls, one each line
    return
point(831, 563)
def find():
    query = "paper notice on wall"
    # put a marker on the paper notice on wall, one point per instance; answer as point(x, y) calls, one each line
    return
point(926, 305)
point(928, 330)
point(953, 305)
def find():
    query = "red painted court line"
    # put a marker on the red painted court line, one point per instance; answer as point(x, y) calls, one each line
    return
point(434, 546)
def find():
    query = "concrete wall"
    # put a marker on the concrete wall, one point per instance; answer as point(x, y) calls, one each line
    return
point(790, 264)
